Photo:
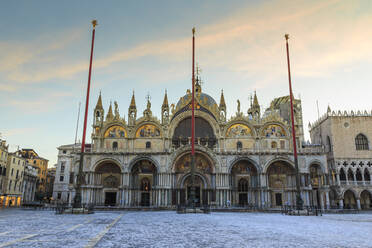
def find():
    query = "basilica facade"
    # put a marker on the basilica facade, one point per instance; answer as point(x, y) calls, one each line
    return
point(246, 160)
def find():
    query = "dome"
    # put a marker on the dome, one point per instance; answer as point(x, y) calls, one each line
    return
point(203, 98)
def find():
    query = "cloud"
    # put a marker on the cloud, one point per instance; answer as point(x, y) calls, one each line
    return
point(249, 42)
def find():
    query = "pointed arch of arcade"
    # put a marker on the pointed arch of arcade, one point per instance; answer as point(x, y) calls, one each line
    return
point(366, 199)
point(350, 199)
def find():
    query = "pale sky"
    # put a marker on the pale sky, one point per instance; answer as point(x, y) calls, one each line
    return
point(145, 46)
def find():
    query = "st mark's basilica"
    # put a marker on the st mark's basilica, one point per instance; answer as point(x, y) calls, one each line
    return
point(244, 161)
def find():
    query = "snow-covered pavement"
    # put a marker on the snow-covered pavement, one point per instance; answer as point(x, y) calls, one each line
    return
point(21, 228)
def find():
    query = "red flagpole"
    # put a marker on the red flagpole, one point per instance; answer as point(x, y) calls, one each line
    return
point(299, 201)
point(94, 23)
point(193, 96)
point(80, 178)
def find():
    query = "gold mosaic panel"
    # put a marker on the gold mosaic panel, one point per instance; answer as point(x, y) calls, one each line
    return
point(148, 130)
point(238, 130)
point(274, 131)
point(115, 132)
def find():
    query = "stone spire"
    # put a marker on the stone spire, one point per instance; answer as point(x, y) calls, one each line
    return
point(132, 111)
point(222, 107)
point(165, 110)
point(254, 111)
point(165, 101)
point(109, 115)
point(222, 101)
point(98, 113)
point(133, 102)
point(255, 101)
point(99, 102)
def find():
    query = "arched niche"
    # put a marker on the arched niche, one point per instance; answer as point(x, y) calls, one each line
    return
point(244, 169)
point(108, 174)
point(280, 174)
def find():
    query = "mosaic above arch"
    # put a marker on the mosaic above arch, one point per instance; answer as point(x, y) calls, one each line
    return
point(273, 130)
point(238, 130)
point(148, 130)
point(115, 132)
point(202, 164)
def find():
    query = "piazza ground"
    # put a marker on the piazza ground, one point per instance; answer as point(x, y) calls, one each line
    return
point(28, 228)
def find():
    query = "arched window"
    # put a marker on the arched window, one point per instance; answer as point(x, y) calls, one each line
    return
point(148, 144)
point(367, 176)
point(243, 185)
point(329, 144)
point(359, 175)
point(361, 142)
point(115, 145)
point(239, 145)
point(350, 175)
point(342, 175)
point(274, 145)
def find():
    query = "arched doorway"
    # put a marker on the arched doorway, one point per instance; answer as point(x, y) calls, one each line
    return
point(204, 193)
point(244, 181)
point(282, 183)
point(316, 180)
point(143, 179)
point(365, 200)
point(349, 200)
point(108, 176)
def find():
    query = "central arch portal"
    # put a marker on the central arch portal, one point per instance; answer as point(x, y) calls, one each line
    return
point(204, 177)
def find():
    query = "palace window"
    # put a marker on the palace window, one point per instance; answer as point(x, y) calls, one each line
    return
point(63, 167)
point(148, 144)
point(239, 145)
point(361, 142)
point(59, 195)
point(61, 178)
point(282, 144)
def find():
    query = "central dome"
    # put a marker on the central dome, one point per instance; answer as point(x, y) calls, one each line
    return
point(203, 98)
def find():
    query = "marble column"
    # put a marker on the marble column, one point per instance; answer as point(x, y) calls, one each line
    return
point(327, 200)
point(338, 179)
point(341, 203)
point(358, 203)
point(354, 177)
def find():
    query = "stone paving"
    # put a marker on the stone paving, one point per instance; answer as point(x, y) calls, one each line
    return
point(28, 228)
